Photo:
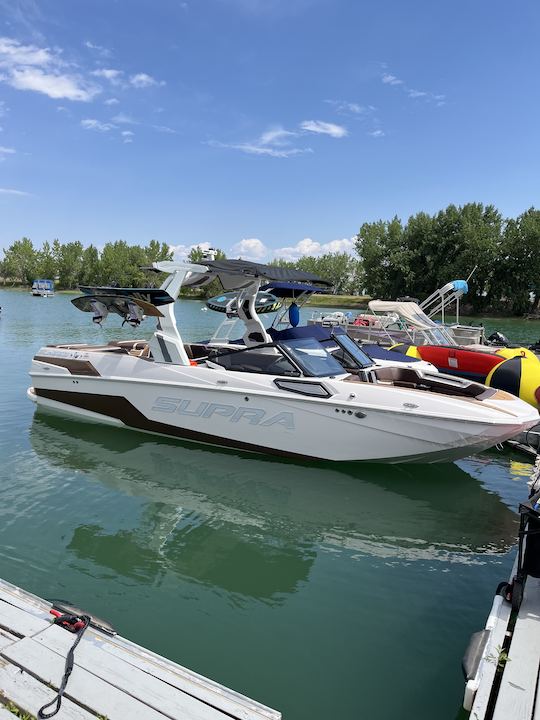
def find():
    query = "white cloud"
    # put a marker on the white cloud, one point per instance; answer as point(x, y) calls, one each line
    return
point(110, 74)
point(276, 136)
point(112, 101)
point(307, 246)
point(12, 53)
point(142, 80)
point(27, 67)
point(127, 136)
point(70, 87)
point(164, 129)
point(181, 252)
point(376, 133)
point(427, 96)
point(123, 119)
point(7, 150)
point(258, 149)
point(250, 249)
point(11, 191)
point(92, 124)
point(99, 49)
point(345, 108)
point(277, 141)
point(391, 79)
point(324, 128)
point(334, 246)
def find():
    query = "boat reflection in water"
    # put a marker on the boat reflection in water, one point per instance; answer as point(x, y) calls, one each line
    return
point(255, 526)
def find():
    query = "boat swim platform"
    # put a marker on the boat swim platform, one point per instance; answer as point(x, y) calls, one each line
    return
point(505, 684)
point(112, 678)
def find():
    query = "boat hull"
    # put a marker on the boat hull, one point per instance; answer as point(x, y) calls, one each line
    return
point(250, 420)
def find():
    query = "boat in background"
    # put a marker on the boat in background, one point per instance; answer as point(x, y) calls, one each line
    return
point(405, 320)
point(284, 394)
point(42, 288)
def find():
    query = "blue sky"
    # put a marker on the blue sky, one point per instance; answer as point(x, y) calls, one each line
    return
point(264, 127)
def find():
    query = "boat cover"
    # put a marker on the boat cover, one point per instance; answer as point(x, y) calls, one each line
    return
point(291, 289)
point(409, 311)
point(237, 273)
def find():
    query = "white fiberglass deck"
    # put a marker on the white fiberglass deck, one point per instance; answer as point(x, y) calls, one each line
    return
point(517, 697)
point(112, 677)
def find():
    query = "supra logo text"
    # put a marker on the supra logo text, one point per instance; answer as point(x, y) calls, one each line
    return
point(253, 416)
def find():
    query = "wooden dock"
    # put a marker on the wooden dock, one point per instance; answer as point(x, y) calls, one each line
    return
point(505, 684)
point(112, 678)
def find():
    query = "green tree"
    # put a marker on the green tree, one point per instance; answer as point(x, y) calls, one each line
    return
point(156, 252)
point(283, 263)
point(21, 261)
point(91, 267)
point(46, 262)
point(380, 246)
point(70, 264)
point(517, 267)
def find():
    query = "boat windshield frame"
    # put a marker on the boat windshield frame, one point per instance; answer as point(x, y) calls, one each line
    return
point(295, 351)
point(352, 349)
point(304, 351)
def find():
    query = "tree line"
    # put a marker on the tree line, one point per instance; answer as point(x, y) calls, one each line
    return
point(393, 258)
point(70, 265)
point(422, 254)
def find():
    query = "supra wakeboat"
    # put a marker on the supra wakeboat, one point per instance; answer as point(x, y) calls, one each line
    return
point(285, 395)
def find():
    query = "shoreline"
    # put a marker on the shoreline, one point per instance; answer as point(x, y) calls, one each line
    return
point(346, 302)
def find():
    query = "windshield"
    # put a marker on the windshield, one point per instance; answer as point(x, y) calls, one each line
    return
point(350, 347)
point(312, 357)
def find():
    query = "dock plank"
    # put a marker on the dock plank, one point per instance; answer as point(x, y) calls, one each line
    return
point(30, 694)
point(90, 691)
point(209, 691)
point(124, 676)
point(6, 638)
point(20, 622)
point(518, 686)
point(22, 599)
point(113, 676)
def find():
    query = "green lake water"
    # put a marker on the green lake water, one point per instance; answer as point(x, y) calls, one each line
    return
point(326, 591)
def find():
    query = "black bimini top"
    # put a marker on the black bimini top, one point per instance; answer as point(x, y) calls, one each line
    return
point(291, 289)
point(230, 272)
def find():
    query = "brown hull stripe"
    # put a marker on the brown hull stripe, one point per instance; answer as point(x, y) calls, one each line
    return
point(120, 408)
point(75, 367)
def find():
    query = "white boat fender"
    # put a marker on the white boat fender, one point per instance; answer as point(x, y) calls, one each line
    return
point(473, 653)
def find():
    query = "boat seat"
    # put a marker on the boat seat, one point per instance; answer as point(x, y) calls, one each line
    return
point(409, 378)
point(129, 344)
point(194, 351)
point(143, 352)
point(397, 374)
